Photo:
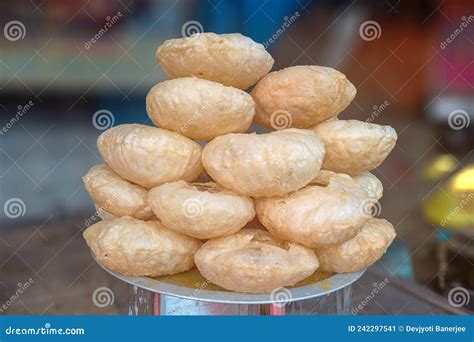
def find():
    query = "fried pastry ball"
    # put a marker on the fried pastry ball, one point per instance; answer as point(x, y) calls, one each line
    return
point(361, 251)
point(150, 156)
point(230, 59)
point(203, 211)
point(116, 195)
point(253, 261)
point(353, 146)
point(140, 248)
point(324, 175)
point(316, 215)
point(371, 184)
point(301, 96)
point(264, 165)
point(367, 181)
point(198, 108)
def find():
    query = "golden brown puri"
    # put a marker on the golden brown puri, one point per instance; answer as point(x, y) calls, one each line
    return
point(324, 175)
point(371, 184)
point(150, 156)
point(140, 248)
point(198, 108)
point(203, 211)
point(264, 165)
point(367, 181)
point(253, 261)
point(305, 94)
point(316, 215)
point(116, 195)
point(230, 59)
point(353, 146)
point(359, 252)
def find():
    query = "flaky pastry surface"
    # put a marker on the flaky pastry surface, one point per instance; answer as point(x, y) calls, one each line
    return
point(264, 165)
point(198, 108)
point(140, 248)
point(203, 210)
point(316, 215)
point(359, 252)
point(231, 59)
point(253, 261)
point(306, 94)
point(367, 181)
point(150, 156)
point(116, 195)
point(353, 146)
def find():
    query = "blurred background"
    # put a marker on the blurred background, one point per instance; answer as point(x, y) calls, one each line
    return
point(71, 69)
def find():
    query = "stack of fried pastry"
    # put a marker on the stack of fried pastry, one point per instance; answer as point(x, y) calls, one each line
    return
point(253, 212)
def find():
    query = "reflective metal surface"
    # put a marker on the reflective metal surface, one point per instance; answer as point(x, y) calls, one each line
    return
point(321, 288)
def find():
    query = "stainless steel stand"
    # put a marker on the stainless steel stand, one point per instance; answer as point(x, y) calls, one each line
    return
point(144, 302)
point(332, 296)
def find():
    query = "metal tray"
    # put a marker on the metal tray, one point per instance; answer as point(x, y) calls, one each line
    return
point(321, 288)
